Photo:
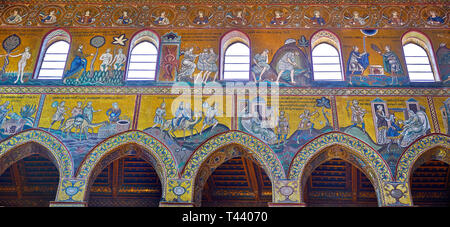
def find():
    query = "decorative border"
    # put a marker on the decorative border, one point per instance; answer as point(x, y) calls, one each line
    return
point(256, 147)
point(212, 2)
point(53, 145)
point(158, 90)
point(256, 13)
point(415, 150)
point(369, 155)
point(158, 150)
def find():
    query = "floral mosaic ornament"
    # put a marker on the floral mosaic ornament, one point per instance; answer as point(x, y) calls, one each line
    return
point(157, 149)
point(286, 191)
point(57, 149)
point(415, 150)
point(71, 190)
point(396, 194)
point(9, 44)
point(362, 150)
point(256, 147)
point(179, 190)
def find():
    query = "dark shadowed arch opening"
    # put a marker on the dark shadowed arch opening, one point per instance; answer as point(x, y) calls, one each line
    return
point(338, 178)
point(127, 177)
point(231, 177)
point(339, 183)
point(28, 177)
point(430, 179)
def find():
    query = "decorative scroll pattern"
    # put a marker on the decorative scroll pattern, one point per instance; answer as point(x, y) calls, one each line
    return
point(53, 145)
point(414, 151)
point(257, 148)
point(161, 153)
point(169, 90)
point(362, 150)
point(223, 14)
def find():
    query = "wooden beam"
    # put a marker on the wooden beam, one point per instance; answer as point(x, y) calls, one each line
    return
point(115, 178)
point(348, 176)
point(259, 178)
point(354, 184)
point(208, 188)
point(251, 178)
point(18, 179)
point(447, 181)
point(308, 186)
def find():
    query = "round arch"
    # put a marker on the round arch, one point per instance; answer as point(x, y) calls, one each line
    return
point(156, 149)
point(407, 160)
point(258, 149)
point(57, 151)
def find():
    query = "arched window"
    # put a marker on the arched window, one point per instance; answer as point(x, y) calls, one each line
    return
point(419, 58)
point(53, 54)
point(235, 59)
point(326, 56)
point(143, 56)
point(417, 63)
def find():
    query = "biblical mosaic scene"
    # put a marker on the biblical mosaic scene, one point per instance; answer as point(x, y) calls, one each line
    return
point(252, 104)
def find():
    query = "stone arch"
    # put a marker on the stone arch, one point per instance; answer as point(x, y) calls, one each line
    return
point(150, 148)
point(342, 153)
point(216, 159)
point(122, 151)
point(57, 151)
point(410, 156)
point(373, 162)
point(260, 151)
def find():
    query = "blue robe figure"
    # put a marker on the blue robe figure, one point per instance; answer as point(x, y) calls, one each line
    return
point(124, 19)
point(318, 20)
point(114, 113)
point(393, 132)
point(435, 20)
point(357, 62)
point(78, 63)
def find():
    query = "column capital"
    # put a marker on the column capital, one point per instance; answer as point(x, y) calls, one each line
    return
point(396, 194)
point(286, 192)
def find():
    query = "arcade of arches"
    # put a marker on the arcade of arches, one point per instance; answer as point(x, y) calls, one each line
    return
point(204, 104)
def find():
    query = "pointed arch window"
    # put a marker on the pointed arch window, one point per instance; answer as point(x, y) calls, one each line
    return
point(326, 57)
point(54, 54)
point(419, 58)
point(143, 60)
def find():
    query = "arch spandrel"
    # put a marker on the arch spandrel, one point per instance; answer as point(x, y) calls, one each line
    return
point(417, 149)
point(157, 149)
point(55, 147)
point(357, 147)
point(253, 145)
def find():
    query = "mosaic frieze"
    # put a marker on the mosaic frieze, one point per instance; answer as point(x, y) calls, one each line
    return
point(221, 16)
